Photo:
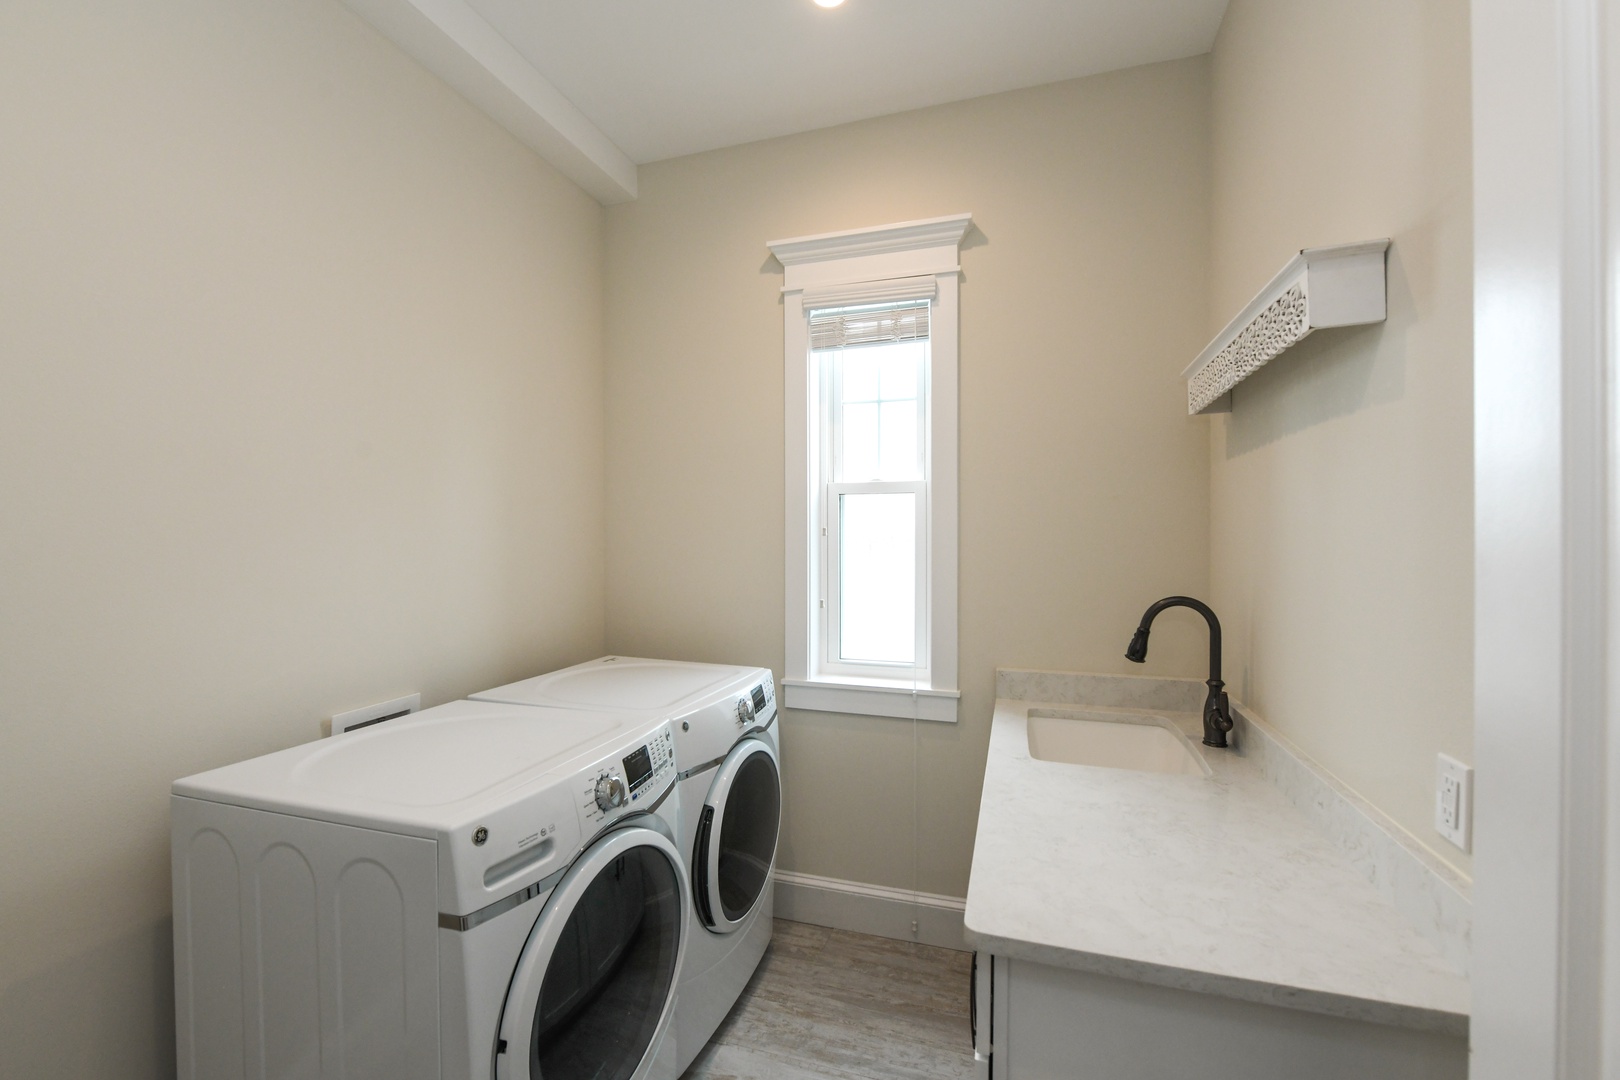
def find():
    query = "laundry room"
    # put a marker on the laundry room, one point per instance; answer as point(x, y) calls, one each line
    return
point(748, 435)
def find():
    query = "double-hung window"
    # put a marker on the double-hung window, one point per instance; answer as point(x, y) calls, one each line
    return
point(871, 366)
point(870, 354)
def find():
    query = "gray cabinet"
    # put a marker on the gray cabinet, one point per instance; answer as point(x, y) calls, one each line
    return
point(1037, 1022)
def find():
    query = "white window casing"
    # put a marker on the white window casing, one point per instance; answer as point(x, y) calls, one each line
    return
point(916, 260)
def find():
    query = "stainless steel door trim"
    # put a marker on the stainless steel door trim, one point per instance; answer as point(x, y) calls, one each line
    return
point(653, 806)
point(766, 726)
point(501, 906)
point(529, 892)
point(698, 770)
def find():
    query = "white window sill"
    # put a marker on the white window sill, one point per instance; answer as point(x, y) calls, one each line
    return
point(871, 697)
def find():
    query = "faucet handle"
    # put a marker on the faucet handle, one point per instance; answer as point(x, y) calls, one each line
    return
point(1223, 712)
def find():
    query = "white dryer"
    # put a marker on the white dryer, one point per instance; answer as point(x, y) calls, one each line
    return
point(476, 891)
point(727, 749)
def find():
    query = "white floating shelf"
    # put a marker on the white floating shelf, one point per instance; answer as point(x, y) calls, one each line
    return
point(1319, 288)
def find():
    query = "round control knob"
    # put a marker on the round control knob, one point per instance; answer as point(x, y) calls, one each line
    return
point(609, 792)
point(745, 711)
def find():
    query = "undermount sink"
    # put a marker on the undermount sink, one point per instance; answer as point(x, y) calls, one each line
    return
point(1113, 743)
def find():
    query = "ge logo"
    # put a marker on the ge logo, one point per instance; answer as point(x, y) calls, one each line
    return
point(480, 835)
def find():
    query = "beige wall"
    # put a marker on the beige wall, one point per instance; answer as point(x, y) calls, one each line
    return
point(1084, 492)
point(300, 409)
point(1342, 482)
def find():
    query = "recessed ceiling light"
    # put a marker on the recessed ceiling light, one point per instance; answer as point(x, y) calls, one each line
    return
point(828, 3)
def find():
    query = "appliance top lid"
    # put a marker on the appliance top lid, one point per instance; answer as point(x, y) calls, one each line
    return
point(448, 758)
point(617, 682)
point(438, 757)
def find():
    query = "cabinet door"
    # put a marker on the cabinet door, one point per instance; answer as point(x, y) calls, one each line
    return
point(988, 1010)
point(980, 1011)
point(1060, 1024)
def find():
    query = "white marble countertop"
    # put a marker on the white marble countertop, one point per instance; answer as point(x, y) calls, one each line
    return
point(1212, 884)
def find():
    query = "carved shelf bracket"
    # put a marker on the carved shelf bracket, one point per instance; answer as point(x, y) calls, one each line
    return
point(1319, 288)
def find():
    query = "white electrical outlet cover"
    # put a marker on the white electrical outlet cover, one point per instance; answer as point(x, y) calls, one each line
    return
point(1454, 801)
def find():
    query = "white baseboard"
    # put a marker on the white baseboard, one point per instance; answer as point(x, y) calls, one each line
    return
point(871, 909)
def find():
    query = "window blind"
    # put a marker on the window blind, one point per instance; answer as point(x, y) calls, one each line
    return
point(869, 324)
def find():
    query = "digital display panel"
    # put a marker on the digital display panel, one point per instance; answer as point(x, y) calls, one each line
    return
point(759, 699)
point(637, 767)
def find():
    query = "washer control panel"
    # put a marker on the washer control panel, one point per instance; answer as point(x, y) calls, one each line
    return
point(627, 781)
point(609, 792)
point(757, 706)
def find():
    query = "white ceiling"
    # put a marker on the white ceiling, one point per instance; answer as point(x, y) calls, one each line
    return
point(663, 78)
point(598, 86)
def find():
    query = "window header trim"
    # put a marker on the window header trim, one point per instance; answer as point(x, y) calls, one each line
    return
point(879, 256)
point(940, 232)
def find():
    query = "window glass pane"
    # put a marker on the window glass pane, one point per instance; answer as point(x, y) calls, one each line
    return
point(878, 410)
point(861, 373)
point(860, 449)
point(897, 370)
point(877, 600)
point(898, 447)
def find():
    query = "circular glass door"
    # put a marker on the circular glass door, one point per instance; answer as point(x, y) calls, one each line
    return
point(736, 842)
point(595, 984)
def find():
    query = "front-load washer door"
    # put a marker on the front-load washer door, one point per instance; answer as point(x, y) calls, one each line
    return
point(595, 985)
point(736, 836)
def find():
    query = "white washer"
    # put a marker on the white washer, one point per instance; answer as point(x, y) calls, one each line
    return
point(475, 891)
point(727, 748)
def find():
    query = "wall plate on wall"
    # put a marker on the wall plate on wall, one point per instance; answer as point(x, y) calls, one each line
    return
point(1454, 801)
point(367, 715)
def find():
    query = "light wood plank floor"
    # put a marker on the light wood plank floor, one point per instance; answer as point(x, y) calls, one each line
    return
point(831, 1005)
